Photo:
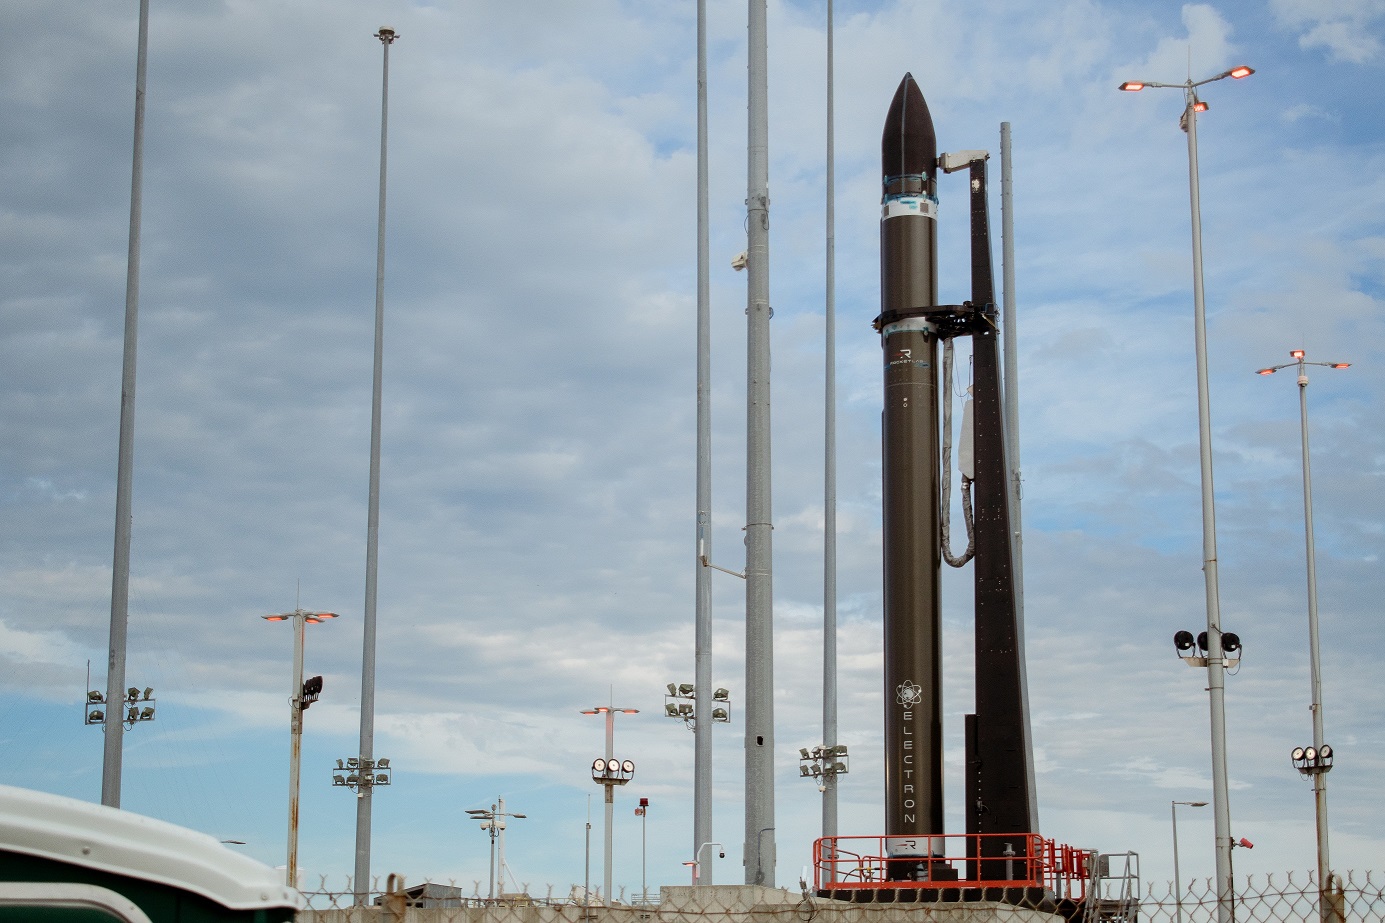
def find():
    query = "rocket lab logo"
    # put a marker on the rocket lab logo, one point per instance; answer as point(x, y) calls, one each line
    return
point(908, 694)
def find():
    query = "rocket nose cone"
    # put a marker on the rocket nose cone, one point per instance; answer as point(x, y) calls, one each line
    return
point(908, 144)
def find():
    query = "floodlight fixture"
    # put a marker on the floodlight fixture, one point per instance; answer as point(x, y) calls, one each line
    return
point(1312, 761)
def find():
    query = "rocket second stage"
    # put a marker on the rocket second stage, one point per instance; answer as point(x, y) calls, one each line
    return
point(912, 616)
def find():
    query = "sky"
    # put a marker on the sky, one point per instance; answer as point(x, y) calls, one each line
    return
point(537, 505)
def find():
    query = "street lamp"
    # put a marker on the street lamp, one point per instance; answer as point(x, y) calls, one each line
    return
point(643, 813)
point(301, 695)
point(1216, 684)
point(1317, 765)
point(610, 772)
point(1178, 885)
point(493, 821)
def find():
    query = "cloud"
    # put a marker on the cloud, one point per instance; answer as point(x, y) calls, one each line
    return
point(1345, 29)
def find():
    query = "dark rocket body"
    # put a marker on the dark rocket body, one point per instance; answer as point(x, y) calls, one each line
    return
point(912, 617)
point(999, 775)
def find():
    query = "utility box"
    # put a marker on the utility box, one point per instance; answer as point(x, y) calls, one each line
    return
point(69, 861)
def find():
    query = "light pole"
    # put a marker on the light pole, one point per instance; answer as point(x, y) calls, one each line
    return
point(301, 695)
point(643, 812)
point(1178, 885)
point(610, 772)
point(113, 754)
point(1316, 768)
point(587, 861)
point(493, 821)
point(361, 874)
point(1216, 681)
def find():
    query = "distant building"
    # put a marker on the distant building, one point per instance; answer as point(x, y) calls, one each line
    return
point(431, 894)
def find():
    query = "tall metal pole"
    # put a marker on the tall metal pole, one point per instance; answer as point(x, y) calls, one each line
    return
point(759, 596)
point(112, 758)
point(702, 730)
point(829, 469)
point(1216, 682)
point(1177, 884)
point(610, 781)
point(1216, 667)
point(1328, 906)
point(364, 794)
point(295, 744)
point(499, 879)
point(1319, 778)
point(297, 703)
point(610, 801)
point(587, 859)
point(494, 821)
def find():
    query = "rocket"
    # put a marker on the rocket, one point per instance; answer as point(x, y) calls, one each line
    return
point(999, 782)
point(912, 564)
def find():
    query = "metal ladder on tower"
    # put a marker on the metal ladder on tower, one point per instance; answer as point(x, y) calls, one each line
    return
point(1113, 888)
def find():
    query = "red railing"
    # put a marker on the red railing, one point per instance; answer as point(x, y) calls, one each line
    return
point(964, 860)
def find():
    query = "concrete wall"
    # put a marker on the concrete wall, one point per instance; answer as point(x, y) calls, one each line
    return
point(708, 904)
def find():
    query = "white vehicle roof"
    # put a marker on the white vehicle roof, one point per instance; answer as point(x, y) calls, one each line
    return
point(111, 840)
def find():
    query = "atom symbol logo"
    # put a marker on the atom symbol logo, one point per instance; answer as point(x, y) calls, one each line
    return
point(908, 693)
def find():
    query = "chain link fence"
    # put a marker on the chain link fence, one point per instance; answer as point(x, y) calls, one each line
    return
point(1356, 897)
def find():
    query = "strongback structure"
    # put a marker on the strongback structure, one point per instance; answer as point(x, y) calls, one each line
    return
point(912, 325)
